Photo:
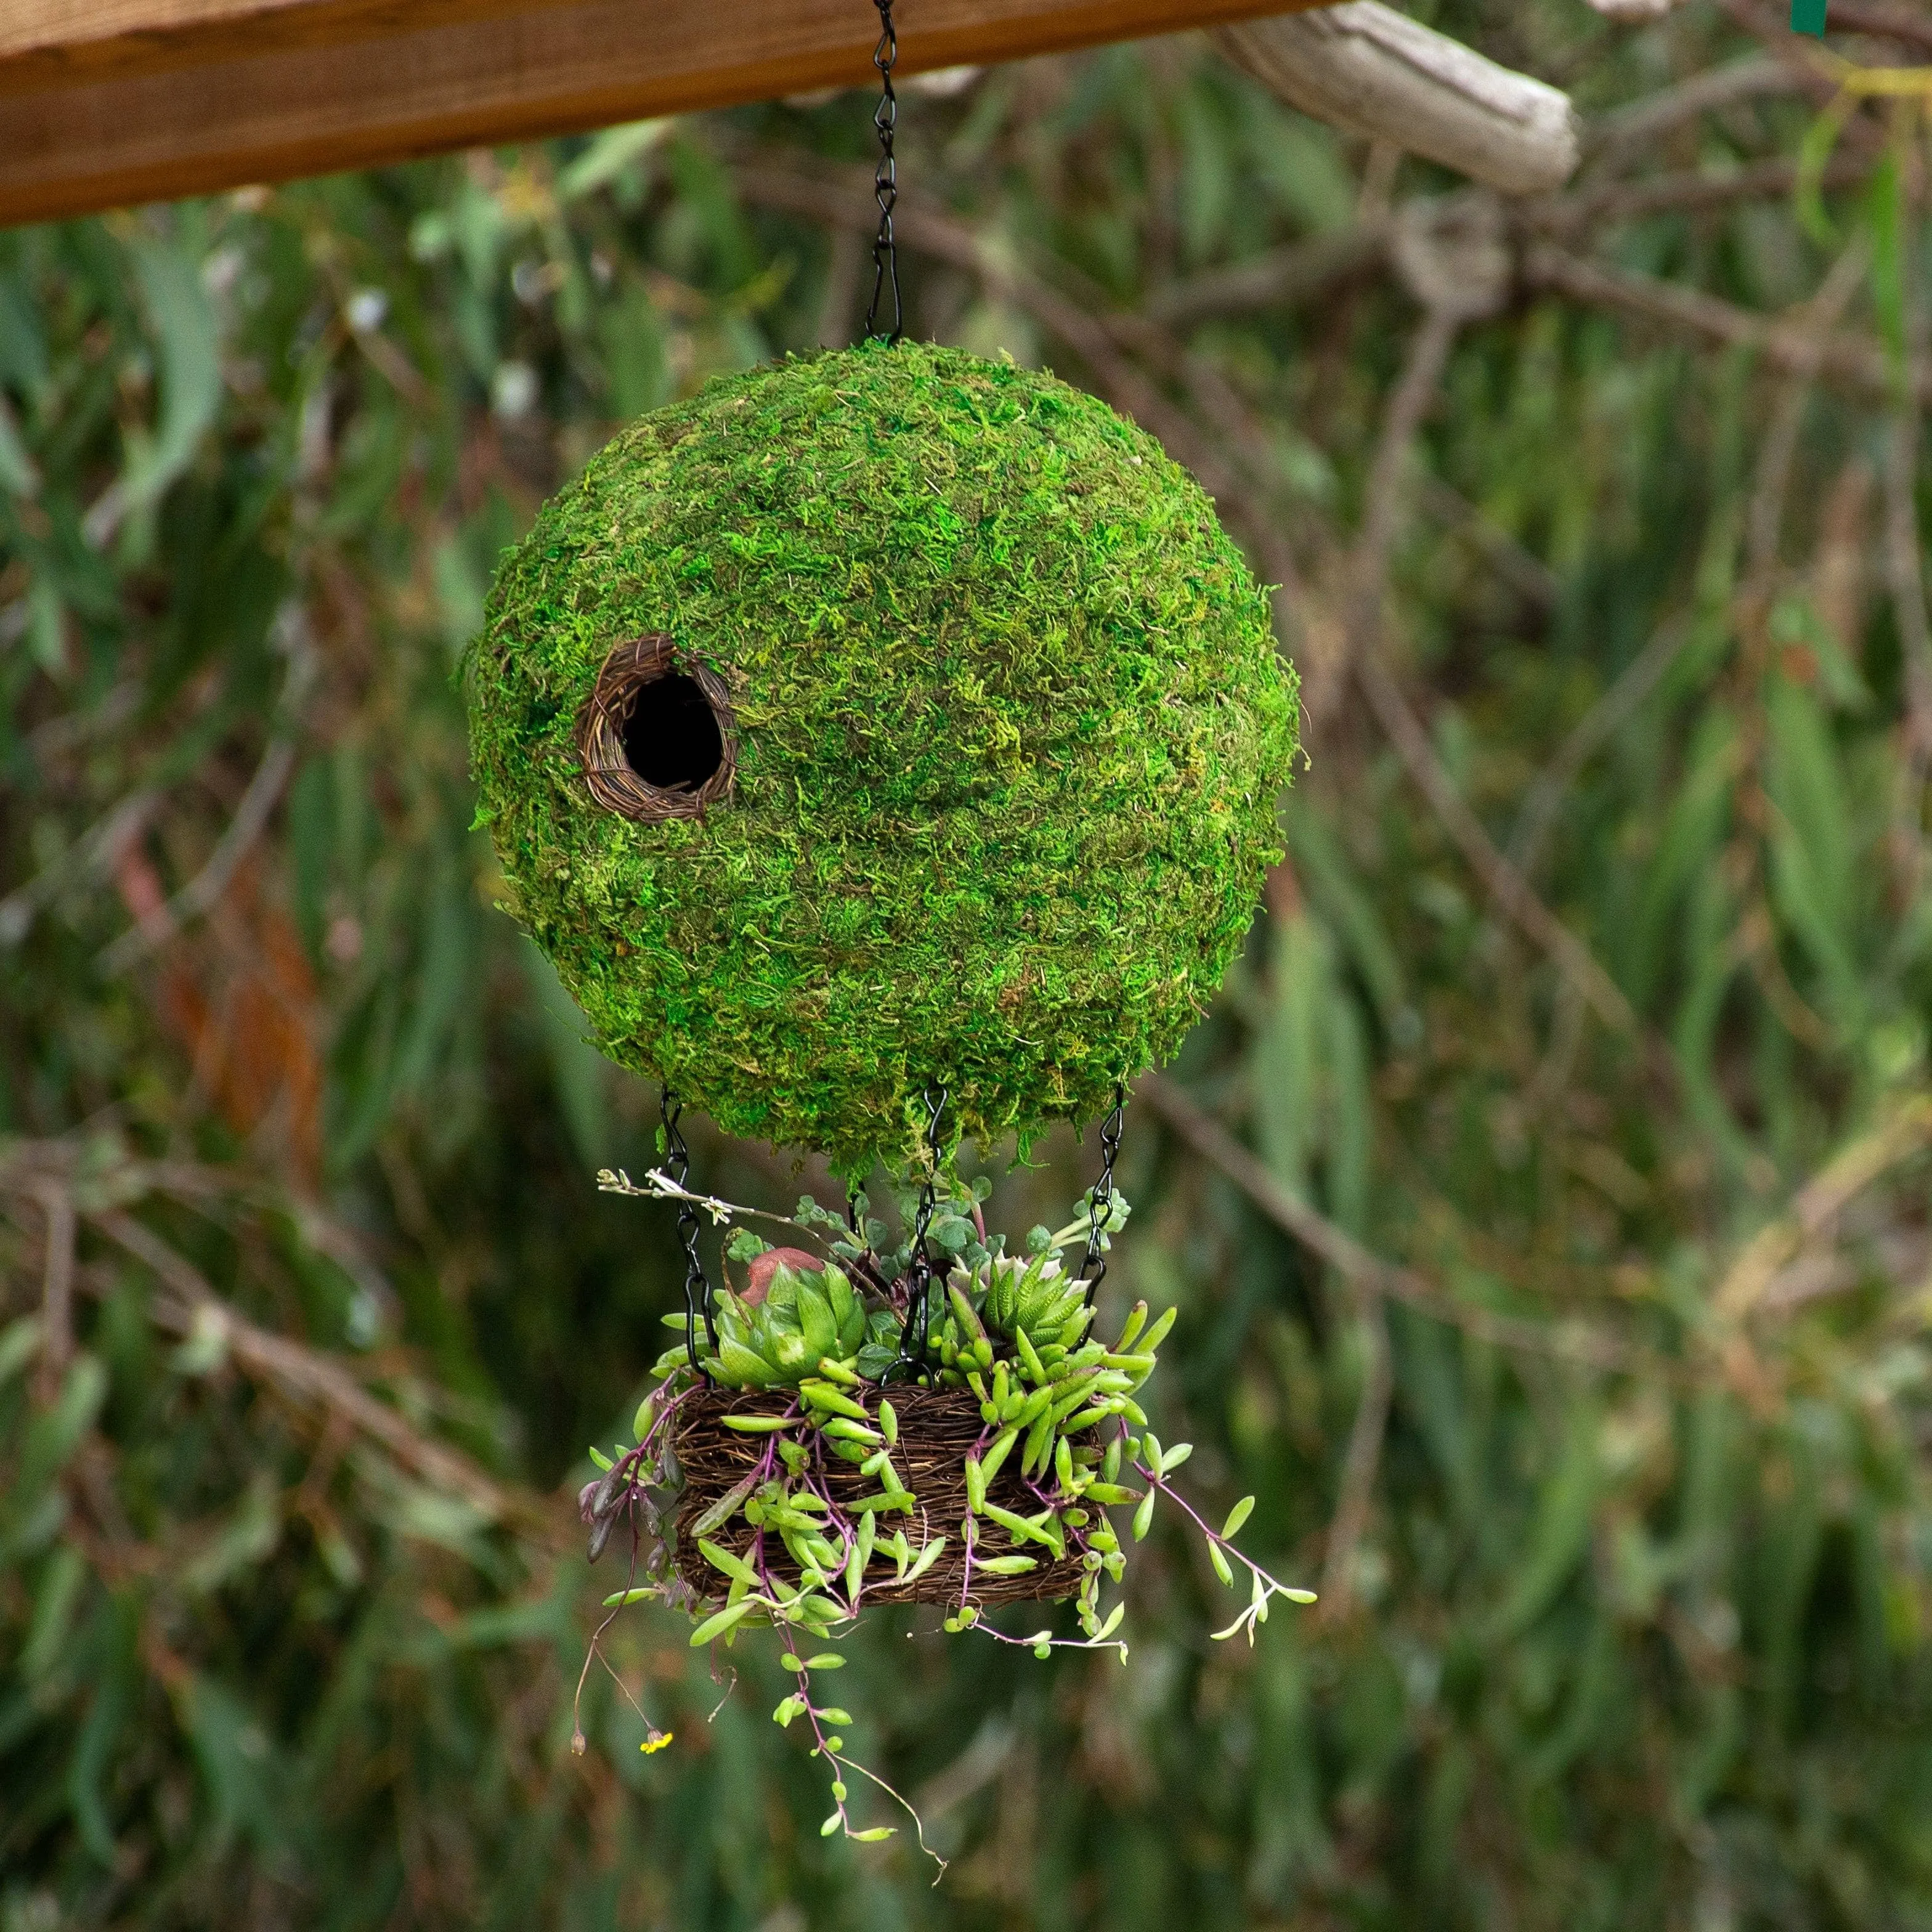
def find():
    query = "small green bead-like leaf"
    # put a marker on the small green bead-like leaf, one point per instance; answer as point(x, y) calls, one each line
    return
point(1143, 1517)
point(1238, 1515)
point(726, 1619)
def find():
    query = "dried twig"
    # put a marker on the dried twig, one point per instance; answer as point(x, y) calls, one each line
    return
point(1367, 69)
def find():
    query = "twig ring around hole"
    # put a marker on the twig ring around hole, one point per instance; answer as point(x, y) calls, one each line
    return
point(656, 736)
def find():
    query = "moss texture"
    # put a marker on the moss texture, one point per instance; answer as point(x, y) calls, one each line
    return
point(1012, 729)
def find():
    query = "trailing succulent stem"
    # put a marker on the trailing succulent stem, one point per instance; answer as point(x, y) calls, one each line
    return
point(804, 1466)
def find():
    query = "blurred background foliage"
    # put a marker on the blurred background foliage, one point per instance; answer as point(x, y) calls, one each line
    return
point(1546, 1199)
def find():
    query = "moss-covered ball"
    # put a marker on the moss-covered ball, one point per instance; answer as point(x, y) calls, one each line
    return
point(880, 718)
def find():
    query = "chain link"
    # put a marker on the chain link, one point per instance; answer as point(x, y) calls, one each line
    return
point(885, 183)
point(1100, 1201)
point(697, 1284)
point(916, 1335)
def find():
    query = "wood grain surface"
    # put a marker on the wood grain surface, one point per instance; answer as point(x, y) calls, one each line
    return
point(104, 103)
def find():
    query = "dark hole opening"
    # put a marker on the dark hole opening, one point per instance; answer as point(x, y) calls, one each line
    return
point(671, 738)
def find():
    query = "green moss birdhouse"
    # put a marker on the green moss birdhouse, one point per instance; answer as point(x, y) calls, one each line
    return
point(883, 717)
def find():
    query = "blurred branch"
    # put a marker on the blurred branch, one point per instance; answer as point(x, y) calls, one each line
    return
point(1527, 574)
point(203, 891)
point(1428, 352)
point(1357, 1492)
point(93, 851)
point(1592, 731)
point(1358, 1265)
point(1820, 317)
point(1772, 179)
point(1904, 564)
point(56, 1206)
point(1907, 1128)
point(1884, 20)
point(312, 1378)
point(1640, 126)
point(1279, 279)
point(1642, 675)
point(1856, 362)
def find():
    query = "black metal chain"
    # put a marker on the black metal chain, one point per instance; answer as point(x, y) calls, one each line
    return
point(697, 1283)
point(885, 183)
point(1100, 1202)
point(915, 1335)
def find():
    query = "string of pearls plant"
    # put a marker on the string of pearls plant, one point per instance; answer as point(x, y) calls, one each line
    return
point(812, 1463)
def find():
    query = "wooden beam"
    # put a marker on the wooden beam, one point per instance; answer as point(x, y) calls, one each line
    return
point(104, 103)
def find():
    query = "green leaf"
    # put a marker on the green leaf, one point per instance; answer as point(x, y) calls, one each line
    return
point(732, 1566)
point(1005, 1566)
point(928, 1555)
point(726, 1619)
point(1237, 1516)
point(1144, 1516)
point(190, 386)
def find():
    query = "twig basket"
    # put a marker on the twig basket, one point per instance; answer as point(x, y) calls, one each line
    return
point(938, 1429)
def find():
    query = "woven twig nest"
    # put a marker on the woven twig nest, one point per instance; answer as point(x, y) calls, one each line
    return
point(938, 1429)
point(656, 735)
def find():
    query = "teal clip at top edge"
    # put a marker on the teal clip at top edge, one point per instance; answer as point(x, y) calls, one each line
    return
point(1807, 16)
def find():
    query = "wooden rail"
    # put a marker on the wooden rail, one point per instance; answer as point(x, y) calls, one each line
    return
point(104, 103)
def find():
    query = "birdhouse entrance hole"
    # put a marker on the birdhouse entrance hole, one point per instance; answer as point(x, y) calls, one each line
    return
point(656, 736)
point(671, 739)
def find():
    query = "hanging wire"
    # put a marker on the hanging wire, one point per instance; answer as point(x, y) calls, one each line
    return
point(697, 1284)
point(1100, 1201)
point(916, 1335)
point(886, 183)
